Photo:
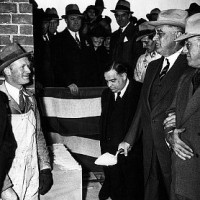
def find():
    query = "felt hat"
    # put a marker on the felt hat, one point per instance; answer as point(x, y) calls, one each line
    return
point(153, 13)
point(72, 9)
point(50, 14)
point(122, 5)
point(192, 27)
point(11, 53)
point(174, 17)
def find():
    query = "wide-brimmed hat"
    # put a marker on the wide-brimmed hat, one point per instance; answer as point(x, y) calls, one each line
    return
point(50, 14)
point(122, 6)
point(192, 27)
point(145, 30)
point(153, 13)
point(99, 4)
point(72, 9)
point(174, 17)
point(11, 53)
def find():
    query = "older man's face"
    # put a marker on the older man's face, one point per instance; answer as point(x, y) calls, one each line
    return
point(192, 50)
point(164, 38)
point(73, 22)
point(18, 73)
point(122, 18)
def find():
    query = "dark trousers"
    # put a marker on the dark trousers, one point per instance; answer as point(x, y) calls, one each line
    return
point(158, 185)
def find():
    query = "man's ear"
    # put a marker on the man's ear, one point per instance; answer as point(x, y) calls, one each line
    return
point(124, 75)
point(7, 71)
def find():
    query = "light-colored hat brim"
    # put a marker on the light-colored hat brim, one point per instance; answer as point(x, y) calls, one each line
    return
point(166, 22)
point(7, 63)
point(186, 36)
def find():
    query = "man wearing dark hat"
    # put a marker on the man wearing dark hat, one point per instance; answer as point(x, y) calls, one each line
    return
point(159, 89)
point(31, 175)
point(184, 138)
point(146, 35)
point(153, 15)
point(70, 52)
point(124, 48)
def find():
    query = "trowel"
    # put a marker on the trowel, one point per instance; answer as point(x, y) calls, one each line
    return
point(108, 159)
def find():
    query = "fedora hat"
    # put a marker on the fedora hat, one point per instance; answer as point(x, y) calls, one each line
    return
point(153, 13)
point(192, 27)
point(145, 30)
point(122, 5)
point(50, 14)
point(194, 8)
point(11, 53)
point(174, 17)
point(99, 4)
point(72, 9)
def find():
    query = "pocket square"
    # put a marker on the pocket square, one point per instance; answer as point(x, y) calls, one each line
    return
point(125, 39)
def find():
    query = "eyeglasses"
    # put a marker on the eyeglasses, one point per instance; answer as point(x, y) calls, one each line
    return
point(159, 33)
point(188, 45)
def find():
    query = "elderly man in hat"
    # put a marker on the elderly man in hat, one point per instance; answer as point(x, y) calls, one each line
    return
point(146, 35)
point(70, 56)
point(184, 139)
point(123, 46)
point(30, 172)
point(159, 89)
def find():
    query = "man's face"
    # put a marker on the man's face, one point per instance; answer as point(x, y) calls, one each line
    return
point(91, 14)
point(53, 25)
point(115, 81)
point(73, 22)
point(164, 38)
point(18, 72)
point(45, 26)
point(192, 50)
point(122, 18)
point(148, 44)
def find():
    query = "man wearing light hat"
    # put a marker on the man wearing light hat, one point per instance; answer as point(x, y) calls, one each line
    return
point(70, 52)
point(146, 34)
point(123, 45)
point(157, 94)
point(185, 139)
point(30, 172)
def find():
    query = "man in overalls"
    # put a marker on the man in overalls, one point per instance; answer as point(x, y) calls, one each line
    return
point(30, 172)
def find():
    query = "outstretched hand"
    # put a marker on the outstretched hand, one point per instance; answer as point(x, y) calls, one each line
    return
point(126, 147)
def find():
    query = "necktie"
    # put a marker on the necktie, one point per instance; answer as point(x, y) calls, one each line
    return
point(165, 69)
point(118, 96)
point(21, 100)
point(196, 80)
point(77, 40)
point(120, 32)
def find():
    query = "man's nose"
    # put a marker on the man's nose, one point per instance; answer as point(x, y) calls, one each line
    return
point(185, 50)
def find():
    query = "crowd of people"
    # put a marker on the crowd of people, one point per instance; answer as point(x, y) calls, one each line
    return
point(150, 108)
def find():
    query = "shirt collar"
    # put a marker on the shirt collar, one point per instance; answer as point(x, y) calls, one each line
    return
point(172, 58)
point(124, 27)
point(73, 34)
point(13, 91)
point(123, 90)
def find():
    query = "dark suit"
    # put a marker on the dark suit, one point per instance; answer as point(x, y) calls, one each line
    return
point(125, 49)
point(186, 173)
point(69, 60)
point(7, 142)
point(156, 97)
point(125, 178)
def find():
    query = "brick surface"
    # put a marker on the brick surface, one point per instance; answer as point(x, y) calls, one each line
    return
point(23, 40)
point(8, 29)
point(25, 8)
point(19, 0)
point(4, 1)
point(4, 40)
point(5, 19)
point(22, 19)
point(26, 29)
point(8, 8)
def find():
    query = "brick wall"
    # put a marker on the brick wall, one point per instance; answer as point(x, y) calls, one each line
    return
point(16, 23)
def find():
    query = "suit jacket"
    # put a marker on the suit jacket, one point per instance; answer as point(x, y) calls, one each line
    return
point(125, 49)
point(151, 119)
point(69, 60)
point(110, 141)
point(7, 141)
point(186, 174)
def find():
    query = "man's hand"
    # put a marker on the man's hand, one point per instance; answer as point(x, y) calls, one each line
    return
point(9, 194)
point(73, 88)
point(170, 121)
point(45, 181)
point(125, 146)
point(182, 150)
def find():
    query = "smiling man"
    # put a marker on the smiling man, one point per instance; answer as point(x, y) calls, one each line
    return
point(30, 172)
point(157, 94)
